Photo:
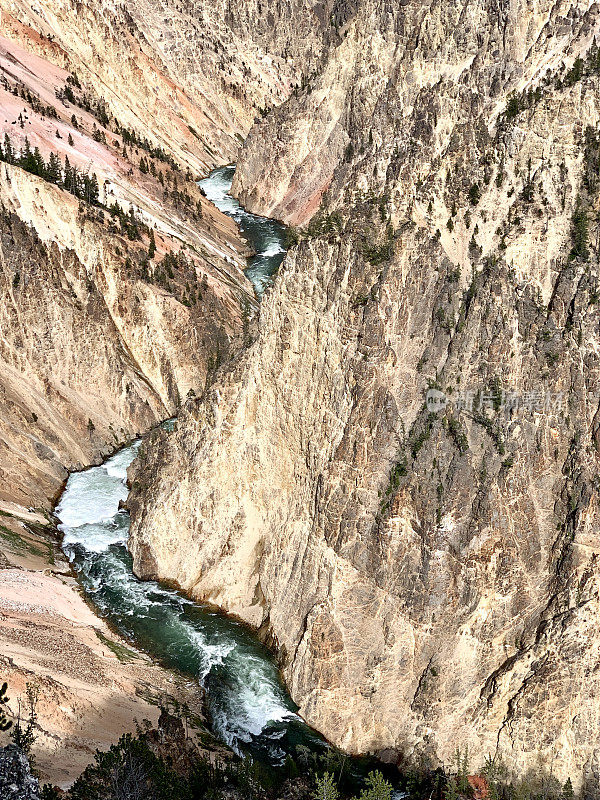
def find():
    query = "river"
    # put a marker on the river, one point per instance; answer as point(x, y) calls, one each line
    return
point(247, 702)
point(266, 236)
point(248, 705)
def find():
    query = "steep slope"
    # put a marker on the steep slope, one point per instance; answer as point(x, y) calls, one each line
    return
point(191, 75)
point(92, 686)
point(121, 290)
point(158, 68)
point(91, 353)
point(429, 574)
point(121, 284)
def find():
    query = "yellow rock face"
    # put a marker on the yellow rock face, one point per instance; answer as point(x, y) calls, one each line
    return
point(431, 581)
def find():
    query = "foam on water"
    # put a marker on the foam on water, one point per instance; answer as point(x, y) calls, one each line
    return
point(216, 188)
point(266, 236)
point(116, 466)
point(97, 536)
point(93, 496)
point(245, 694)
point(248, 705)
point(272, 249)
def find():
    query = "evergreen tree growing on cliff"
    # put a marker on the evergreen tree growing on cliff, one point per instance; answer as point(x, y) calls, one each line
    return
point(91, 189)
point(326, 788)
point(54, 169)
point(152, 245)
point(8, 153)
point(377, 788)
point(31, 160)
point(579, 230)
point(23, 733)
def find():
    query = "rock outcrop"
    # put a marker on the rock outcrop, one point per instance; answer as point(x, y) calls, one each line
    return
point(429, 575)
point(16, 780)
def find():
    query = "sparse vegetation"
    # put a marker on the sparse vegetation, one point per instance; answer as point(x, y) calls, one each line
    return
point(124, 654)
point(424, 434)
point(23, 731)
point(379, 253)
point(5, 722)
point(579, 231)
point(474, 194)
point(458, 434)
point(84, 186)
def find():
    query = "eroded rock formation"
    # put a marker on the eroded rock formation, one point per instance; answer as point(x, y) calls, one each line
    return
point(429, 579)
point(121, 289)
point(112, 311)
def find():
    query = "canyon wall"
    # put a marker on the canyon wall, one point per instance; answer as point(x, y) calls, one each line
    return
point(121, 290)
point(114, 307)
point(173, 71)
point(191, 75)
point(144, 96)
point(428, 573)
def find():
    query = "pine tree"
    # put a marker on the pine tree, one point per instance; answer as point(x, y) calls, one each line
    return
point(568, 792)
point(8, 151)
point(152, 245)
point(39, 165)
point(451, 792)
point(462, 769)
point(91, 190)
point(27, 161)
point(78, 184)
point(326, 788)
point(377, 788)
point(23, 733)
point(68, 180)
point(72, 180)
point(579, 230)
point(70, 140)
point(54, 169)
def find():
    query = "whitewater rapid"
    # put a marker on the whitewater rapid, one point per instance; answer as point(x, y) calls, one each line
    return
point(266, 236)
point(248, 705)
point(247, 702)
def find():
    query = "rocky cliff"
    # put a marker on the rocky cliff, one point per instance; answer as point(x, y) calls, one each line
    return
point(428, 571)
point(16, 780)
point(115, 303)
point(121, 290)
point(91, 354)
point(174, 71)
